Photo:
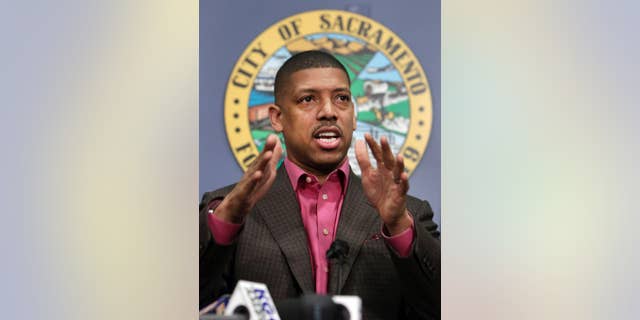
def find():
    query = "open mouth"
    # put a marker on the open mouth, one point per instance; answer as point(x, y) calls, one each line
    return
point(328, 137)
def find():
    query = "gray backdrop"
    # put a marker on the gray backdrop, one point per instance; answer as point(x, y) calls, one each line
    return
point(227, 27)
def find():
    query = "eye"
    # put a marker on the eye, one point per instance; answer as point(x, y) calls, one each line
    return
point(344, 98)
point(305, 99)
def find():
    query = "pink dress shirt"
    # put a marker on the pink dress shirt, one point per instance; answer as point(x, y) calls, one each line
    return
point(320, 206)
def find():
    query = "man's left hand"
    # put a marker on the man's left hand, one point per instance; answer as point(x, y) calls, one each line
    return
point(385, 186)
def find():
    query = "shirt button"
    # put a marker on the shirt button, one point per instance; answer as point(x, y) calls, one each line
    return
point(324, 196)
point(326, 269)
point(308, 179)
point(325, 231)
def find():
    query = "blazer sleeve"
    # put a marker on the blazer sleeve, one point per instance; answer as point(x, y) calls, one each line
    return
point(215, 261)
point(420, 271)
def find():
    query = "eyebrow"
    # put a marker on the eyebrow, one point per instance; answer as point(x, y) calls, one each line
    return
point(313, 90)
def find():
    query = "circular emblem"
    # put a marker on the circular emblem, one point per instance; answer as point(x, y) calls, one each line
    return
point(390, 90)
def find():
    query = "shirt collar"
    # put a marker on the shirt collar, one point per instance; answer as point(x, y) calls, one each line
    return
point(296, 174)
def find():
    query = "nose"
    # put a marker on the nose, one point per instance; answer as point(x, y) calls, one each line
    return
point(327, 111)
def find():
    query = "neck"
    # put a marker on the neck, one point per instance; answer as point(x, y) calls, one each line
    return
point(320, 173)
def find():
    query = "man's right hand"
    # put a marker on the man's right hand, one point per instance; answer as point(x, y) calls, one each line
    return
point(254, 184)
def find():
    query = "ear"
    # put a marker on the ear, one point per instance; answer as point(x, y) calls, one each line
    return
point(275, 115)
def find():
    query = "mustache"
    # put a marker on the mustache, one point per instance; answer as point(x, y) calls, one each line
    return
point(325, 124)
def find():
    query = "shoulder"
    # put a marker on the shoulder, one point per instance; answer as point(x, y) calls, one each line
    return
point(418, 204)
point(423, 215)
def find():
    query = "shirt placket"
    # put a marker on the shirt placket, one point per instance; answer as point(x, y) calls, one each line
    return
point(326, 215)
point(313, 193)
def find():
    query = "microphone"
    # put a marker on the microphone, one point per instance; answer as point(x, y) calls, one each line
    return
point(252, 300)
point(313, 307)
point(352, 306)
point(338, 250)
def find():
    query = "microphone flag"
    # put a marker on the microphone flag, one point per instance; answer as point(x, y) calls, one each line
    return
point(252, 299)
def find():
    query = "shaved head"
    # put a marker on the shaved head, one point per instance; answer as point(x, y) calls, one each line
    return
point(301, 61)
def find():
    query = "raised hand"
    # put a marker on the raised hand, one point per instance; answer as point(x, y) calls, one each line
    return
point(385, 186)
point(255, 182)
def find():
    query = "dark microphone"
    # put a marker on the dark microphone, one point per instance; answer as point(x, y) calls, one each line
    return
point(312, 307)
point(338, 250)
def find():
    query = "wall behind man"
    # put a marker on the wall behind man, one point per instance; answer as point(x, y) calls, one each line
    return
point(227, 27)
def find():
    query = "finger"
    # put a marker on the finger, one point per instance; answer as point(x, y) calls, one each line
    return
point(277, 151)
point(397, 170)
point(264, 162)
point(244, 186)
point(275, 158)
point(269, 146)
point(404, 178)
point(270, 143)
point(387, 154)
point(263, 168)
point(263, 157)
point(257, 180)
point(362, 156)
point(375, 149)
point(400, 177)
point(254, 172)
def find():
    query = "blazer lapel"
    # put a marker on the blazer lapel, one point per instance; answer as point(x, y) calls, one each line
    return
point(281, 213)
point(357, 219)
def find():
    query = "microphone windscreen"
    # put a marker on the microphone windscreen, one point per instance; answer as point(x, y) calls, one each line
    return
point(338, 249)
point(312, 307)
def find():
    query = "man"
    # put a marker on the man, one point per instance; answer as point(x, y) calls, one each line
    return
point(276, 224)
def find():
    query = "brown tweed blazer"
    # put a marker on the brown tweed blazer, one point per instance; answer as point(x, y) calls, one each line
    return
point(272, 248)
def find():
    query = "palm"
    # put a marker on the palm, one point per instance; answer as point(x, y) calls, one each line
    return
point(385, 186)
point(382, 191)
point(261, 174)
point(255, 183)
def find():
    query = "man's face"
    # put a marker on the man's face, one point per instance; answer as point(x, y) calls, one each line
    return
point(316, 117)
